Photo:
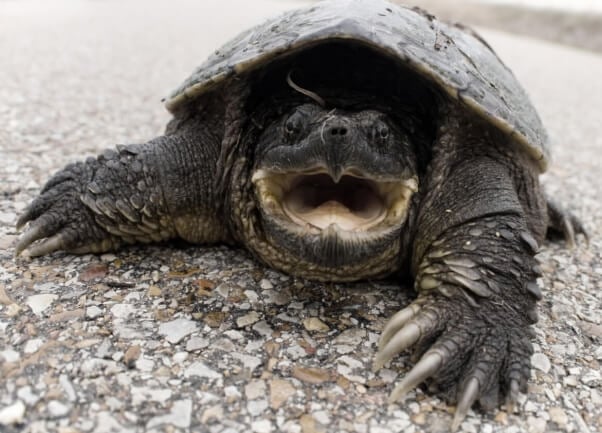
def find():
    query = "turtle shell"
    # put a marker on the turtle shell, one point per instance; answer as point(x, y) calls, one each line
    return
point(460, 62)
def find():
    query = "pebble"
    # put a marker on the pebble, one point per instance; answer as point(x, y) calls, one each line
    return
point(261, 426)
point(536, 424)
point(247, 319)
point(56, 409)
point(10, 355)
point(312, 374)
point(266, 284)
point(93, 312)
point(105, 423)
point(12, 414)
point(200, 369)
point(212, 413)
point(315, 324)
point(26, 394)
point(176, 330)
point(145, 364)
point(280, 391)
point(255, 389)
point(257, 407)
point(131, 355)
point(180, 415)
point(67, 387)
point(142, 394)
point(558, 415)
point(8, 218)
point(350, 337)
point(570, 381)
point(196, 343)
point(541, 362)
point(123, 311)
point(39, 303)
point(232, 393)
point(33, 345)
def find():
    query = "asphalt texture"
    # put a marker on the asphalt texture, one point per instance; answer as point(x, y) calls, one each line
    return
point(174, 338)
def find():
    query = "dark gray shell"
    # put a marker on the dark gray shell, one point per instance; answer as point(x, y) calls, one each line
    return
point(458, 60)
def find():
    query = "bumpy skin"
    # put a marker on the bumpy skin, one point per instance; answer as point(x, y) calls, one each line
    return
point(477, 232)
point(148, 192)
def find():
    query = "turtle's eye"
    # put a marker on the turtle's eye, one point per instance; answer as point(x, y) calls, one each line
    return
point(380, 131)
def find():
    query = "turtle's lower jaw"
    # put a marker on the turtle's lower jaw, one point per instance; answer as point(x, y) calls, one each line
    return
point(353, 205)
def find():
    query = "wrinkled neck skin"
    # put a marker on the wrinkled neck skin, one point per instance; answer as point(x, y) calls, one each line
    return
point(327, 193)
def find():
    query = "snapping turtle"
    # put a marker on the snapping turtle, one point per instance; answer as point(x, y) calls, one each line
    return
point(345, 141)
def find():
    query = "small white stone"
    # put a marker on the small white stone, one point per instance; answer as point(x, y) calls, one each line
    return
point(249, 362)
point(322, 417)
point(247, 319)
point(201, 370)
point(251, 295)
point(27, 395)
point(56, 409)
point(255, 389)
point(536, 425)
point(315, 324)
point(598, 353)
point(351, 362)
point(145, 364)
point(176, 330)
point(196, 343)
point(232, 392)
point(179, 357)
point(122, 311)
point(350, 337)
point(8, 218)
point(39, 303)
point(559, 416)
point(10, 355)
point(234, 335)
point(67, 387)
point(541, 362)
point(179, 416)
point(143, 394)
point(12, 414)
point(33, 345)
point(262, 426)
point(266, 284)
point(92, 312)
point(108, 257)
point(263, 328)
point(257, 407)
point(223, 290)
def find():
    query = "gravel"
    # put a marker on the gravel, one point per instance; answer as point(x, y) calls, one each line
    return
point(172, 338)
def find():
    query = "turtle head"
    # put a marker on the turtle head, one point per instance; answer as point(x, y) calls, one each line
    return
point(333, 188)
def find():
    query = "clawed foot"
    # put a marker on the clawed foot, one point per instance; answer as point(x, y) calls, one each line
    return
point(564, 223)
point(58, 219)
point(469, 354)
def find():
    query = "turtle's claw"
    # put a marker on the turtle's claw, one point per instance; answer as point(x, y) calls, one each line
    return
point(468, 358)
point(423, 370)
point(469, 395)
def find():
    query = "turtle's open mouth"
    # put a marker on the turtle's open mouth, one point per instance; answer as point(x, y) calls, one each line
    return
point(314, 201)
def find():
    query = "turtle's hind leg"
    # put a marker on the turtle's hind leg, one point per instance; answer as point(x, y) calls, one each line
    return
point(562, 223)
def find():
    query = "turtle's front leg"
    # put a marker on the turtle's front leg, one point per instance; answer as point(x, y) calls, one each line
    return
point(476, 276)
point(139, 193)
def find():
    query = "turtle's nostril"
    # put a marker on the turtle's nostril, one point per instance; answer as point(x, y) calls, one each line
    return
point(338, 131)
